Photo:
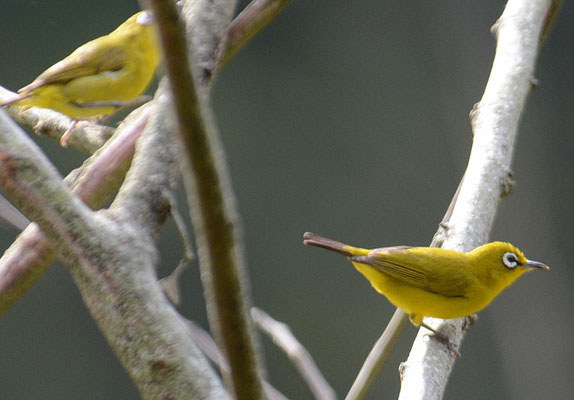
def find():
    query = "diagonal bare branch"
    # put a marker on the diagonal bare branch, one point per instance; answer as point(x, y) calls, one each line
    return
point(487, 177)
point(248, 23)
point(284, 338)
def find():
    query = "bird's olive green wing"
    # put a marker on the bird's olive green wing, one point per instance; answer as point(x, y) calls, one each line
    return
point(89, 59)
point(424, 268)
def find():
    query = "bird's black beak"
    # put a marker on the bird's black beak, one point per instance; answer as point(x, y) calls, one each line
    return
point(535, 264)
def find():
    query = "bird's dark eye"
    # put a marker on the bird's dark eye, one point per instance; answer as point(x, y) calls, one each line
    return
point(510, 260)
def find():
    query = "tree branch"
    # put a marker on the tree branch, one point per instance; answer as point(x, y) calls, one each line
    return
point(112, 260)
point(297, 353)
point(248, 23)
point(213, 211)
point(100, 175)
point(487, 178)
point(377, 357)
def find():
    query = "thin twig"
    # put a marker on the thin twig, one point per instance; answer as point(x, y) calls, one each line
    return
point(297, 353)
point(248, 23)
point(12, 215)
point(550, 18)
point(378, 356)
point(170, 283)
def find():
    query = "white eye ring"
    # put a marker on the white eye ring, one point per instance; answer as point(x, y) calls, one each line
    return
point(145, 18)
point(510, 260)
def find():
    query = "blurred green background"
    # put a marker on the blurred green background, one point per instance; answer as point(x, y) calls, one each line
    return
point(349, 119)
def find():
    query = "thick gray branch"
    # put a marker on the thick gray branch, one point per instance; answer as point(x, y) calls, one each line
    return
point(112, 261)
point(101, 175)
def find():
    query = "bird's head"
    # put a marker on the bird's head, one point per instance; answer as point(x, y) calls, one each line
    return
point(500, 264)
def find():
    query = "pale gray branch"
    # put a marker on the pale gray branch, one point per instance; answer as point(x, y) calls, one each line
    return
point(297, 353)
point(377, 357)
point(12, 215)
point(495, 125)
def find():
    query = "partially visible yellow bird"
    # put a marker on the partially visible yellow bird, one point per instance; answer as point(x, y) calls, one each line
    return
point(99, 76)
point(435, 282)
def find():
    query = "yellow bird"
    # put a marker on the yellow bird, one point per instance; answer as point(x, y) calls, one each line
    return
point(100, 76)
point(435, 282)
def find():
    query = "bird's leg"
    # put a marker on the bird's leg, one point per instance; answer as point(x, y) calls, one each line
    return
point(117, 104)
point(68, 134)
point(442, 338)
point(138, 101)
point(469, 320)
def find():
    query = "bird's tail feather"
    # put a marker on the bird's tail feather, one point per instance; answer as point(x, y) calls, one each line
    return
point(348, 251)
